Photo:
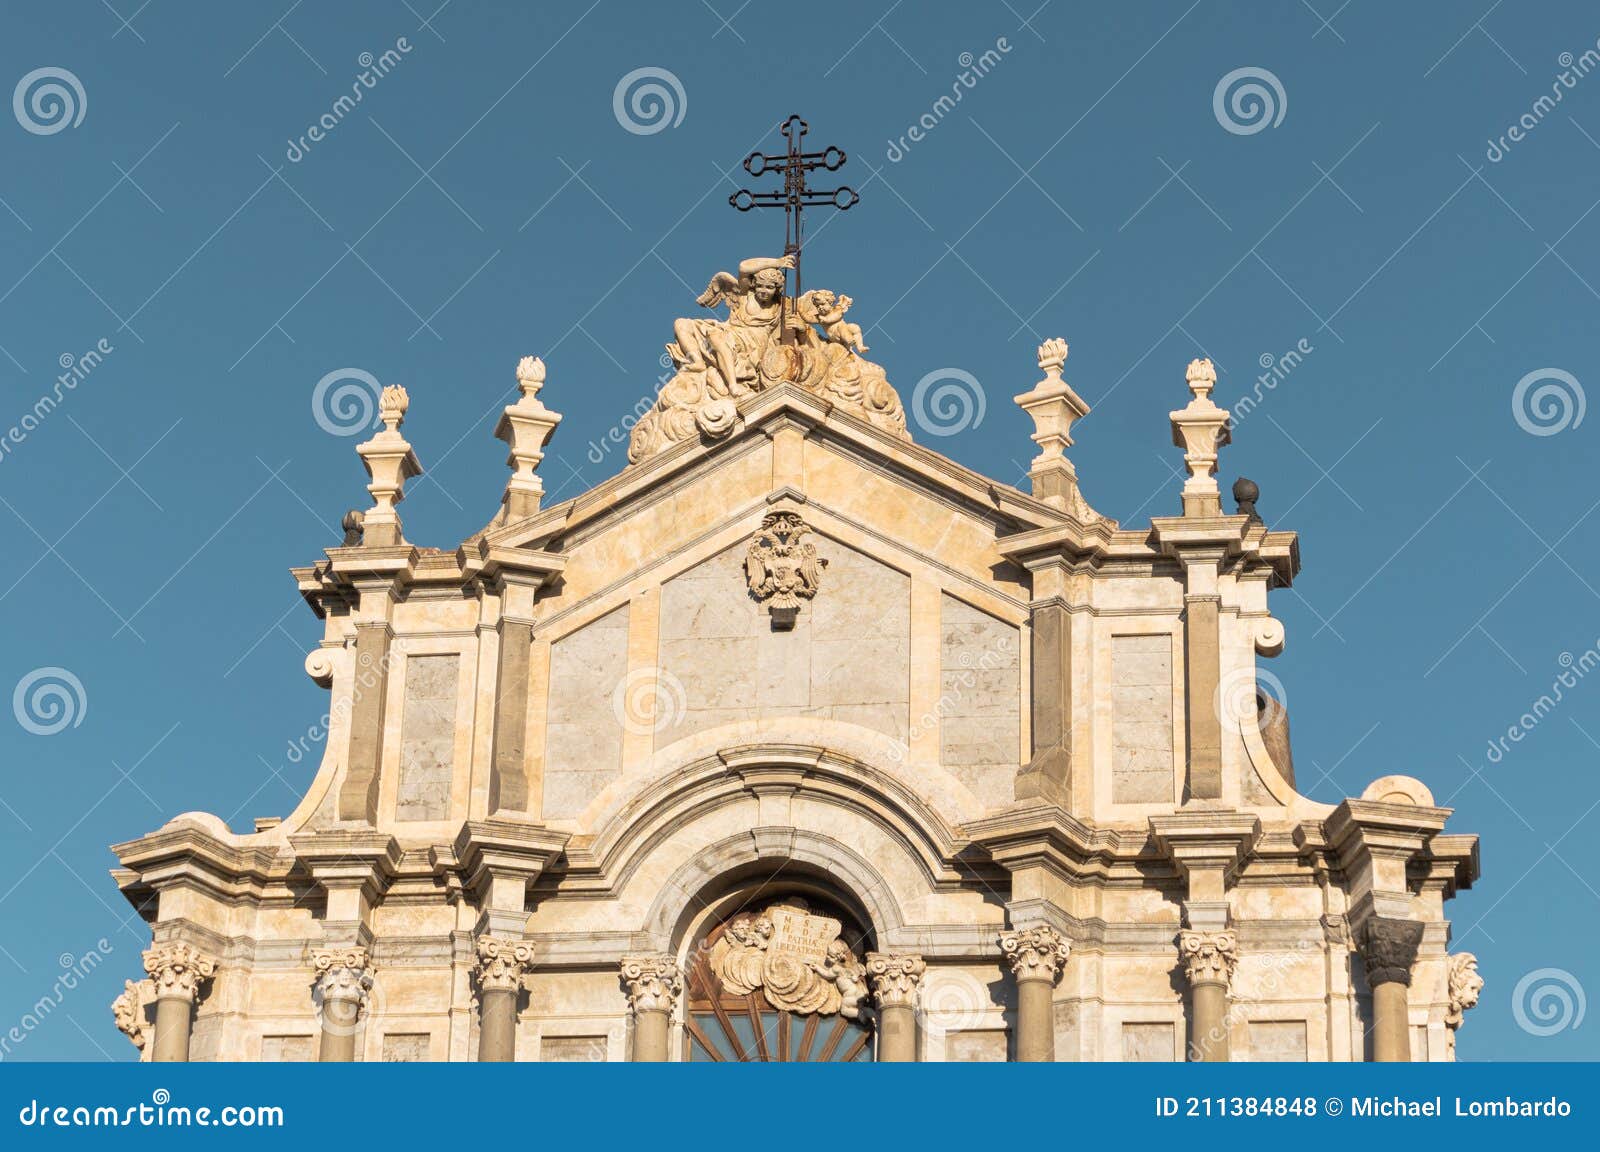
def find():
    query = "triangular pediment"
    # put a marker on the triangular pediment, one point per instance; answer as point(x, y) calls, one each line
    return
point(787, 411)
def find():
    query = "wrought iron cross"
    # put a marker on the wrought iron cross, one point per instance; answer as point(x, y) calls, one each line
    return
point(795, 196)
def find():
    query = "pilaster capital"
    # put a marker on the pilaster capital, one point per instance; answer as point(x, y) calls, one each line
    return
point(895, 979)
point(653, 982)
point(1037, 953)
point(178, 969)
point(342, 973)
point(1389, 947)
point(1208, 957)
point(501, 964)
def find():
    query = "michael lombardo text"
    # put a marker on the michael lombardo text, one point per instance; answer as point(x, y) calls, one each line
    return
point(1379, 1107)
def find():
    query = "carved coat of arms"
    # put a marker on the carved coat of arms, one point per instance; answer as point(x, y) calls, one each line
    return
point(798, 960)
point(782, 568)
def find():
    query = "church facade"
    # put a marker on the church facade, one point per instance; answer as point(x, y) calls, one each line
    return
point(796, 740)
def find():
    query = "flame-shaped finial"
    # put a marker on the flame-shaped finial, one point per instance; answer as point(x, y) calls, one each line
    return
point(1053, 356)
point(392, 405)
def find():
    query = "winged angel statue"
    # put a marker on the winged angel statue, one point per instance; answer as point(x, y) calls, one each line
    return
point(718, 362)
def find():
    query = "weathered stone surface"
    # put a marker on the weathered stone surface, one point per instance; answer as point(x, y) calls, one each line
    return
point(980, 700)
point(428, 737)
point(847, 657)
point(1277, 1040)
point(406, 1047)
point(573, 1050)
point(584, 724)
point(1149, 1043)
point(1141, 733)
point(288, 1049)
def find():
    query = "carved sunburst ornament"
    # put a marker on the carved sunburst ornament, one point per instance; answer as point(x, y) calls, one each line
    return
point(798, 960)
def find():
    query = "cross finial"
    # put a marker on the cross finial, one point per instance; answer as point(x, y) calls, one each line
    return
point(795, 196)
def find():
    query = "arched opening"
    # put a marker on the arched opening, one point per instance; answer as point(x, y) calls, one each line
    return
point(776, 975)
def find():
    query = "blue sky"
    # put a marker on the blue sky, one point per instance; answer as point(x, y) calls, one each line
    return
point(486, 200)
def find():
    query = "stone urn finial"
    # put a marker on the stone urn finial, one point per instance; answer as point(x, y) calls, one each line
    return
point(526, 426)
point(392, 405)
point(390, 462)
point(1201, 428)
point(1052, 357)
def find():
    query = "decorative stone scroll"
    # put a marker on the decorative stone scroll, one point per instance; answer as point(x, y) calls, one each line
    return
point(177, 970)
point(766, 340)
point(343, 974)
point(128, 1010)
point(782, 568)
point(1038, 953)
point(653, 982)
point(501, 964)
point(1208, 957)
point(798, 960)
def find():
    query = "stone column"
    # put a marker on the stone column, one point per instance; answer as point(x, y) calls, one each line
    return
point(895, 980)
point(1208, 962)
point(343, 979)
point(1037, 957)
point(177, 970)
point(1390, 948)
point(500, 967)
point(653, 984)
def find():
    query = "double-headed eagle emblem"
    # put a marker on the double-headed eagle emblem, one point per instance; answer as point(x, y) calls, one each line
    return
point(782, 568)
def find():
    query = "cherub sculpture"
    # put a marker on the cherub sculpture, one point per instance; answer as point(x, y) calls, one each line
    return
point(820, 306)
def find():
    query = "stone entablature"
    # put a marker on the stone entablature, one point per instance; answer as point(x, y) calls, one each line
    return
point(789, 641)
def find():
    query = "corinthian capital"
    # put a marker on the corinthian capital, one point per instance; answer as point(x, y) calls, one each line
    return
point(342, 973)
point(178, 970)
point(1038, 953)
point(895, 979)
point(653, 982)
point(501, 963)
point(1208, 957)
point(1390, 948)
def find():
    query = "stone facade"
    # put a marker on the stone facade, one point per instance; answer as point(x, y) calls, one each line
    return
point(788, 650)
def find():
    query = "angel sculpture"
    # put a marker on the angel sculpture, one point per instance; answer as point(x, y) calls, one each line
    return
point(821, 306)
point(735, 346)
